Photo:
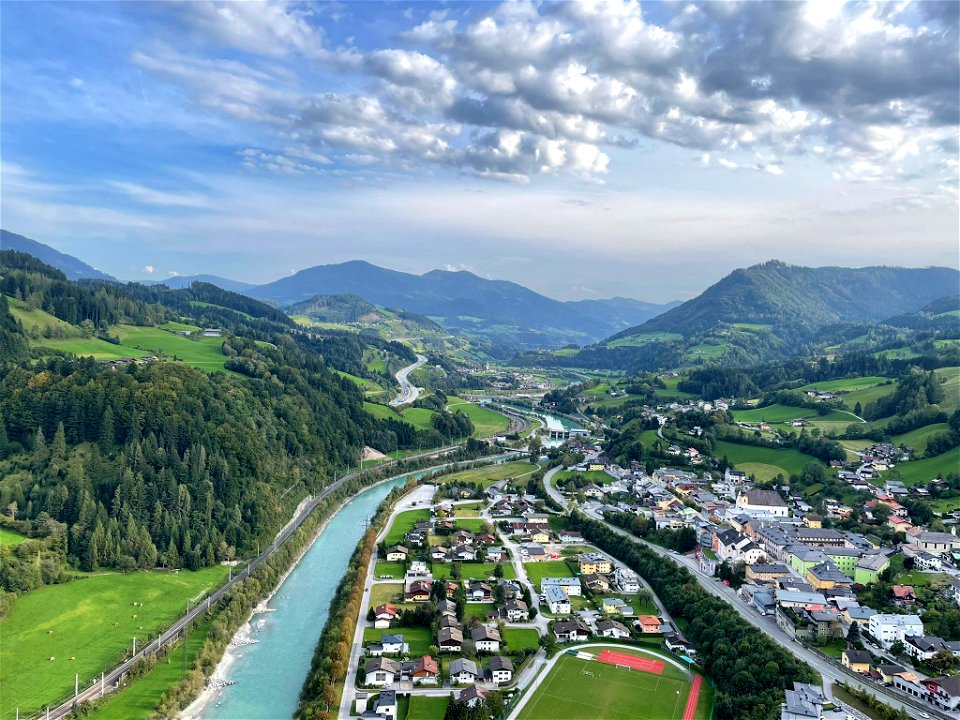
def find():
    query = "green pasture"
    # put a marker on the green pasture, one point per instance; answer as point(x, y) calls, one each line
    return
point(786, 460)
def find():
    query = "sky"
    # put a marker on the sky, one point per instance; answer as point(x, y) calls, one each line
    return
point(584, 149)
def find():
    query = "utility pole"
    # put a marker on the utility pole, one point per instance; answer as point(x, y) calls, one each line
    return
point(186, 627)
point(101, 683)
point(76, 686)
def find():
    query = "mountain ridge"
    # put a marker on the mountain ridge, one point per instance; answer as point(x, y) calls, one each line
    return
point(72, 267)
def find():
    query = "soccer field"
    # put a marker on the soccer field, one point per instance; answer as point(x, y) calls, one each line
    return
point(570, 692)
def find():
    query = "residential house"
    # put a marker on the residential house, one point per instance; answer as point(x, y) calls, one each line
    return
point(938, 543)
point(386, 704)
point(570, 536)
point(450, 639)
point(479, 592)
point(440, 554)
point(463, 672)
point(804, 702)
point(381, 671)
point(904, 595)
point(383, 615)
point(398, 553)
point(626, 580)
point(571, 631)
point(486, 639)
point(517, 611)
point(888, 629)
point(868, 568)
point(496, 554)
point(857, 660)
point(926, 647)
point(615, 606)
point(472, 696)
point(571, 586)
point(418, 592)
point(612, 629)
point(944, 692)
point(500, 669)
point(766, 573)
point(424, 671)
point(648, 624)
point(393, 644)
point(595, 583)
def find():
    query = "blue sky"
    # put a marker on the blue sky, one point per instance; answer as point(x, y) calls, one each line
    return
point(582, 149)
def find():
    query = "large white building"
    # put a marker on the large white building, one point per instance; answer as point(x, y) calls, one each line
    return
point(888, 629)
point(762, 502)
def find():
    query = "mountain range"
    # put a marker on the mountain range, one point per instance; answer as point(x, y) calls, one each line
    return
point(506, 313)
point(70, 266)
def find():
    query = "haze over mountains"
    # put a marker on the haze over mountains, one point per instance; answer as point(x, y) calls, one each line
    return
point(70, 266)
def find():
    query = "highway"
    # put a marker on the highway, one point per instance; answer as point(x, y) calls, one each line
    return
point(831, 671)
point(408, 391)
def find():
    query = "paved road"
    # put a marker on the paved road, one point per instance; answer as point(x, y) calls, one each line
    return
point(408, 391)
point(112, 677)
point(829, 670)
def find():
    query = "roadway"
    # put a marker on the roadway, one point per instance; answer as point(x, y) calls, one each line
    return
point(831, 671)
point(408, 391)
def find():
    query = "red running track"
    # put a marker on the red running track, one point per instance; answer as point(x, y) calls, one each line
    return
point(692, 698)
point(631, 661)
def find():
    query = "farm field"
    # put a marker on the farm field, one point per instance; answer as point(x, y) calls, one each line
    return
point(706, 351)
point(10, 537)
point(951, 388)
point(643, 339)
point(485, 421)
point(916, 472)
point(403, 522)
point(85, 626)
point(917, 439)
point(610, 692)
point(867, 395)
point(419, 639)
point(785, 460)
point(203, 353)
point(474, 570)
point(551, 568)
point(139, 698)
point(773, 414)
point(490, 474)
point(846, 385)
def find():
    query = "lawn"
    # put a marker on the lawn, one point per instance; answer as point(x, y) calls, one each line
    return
point(403, 522)
point(139, 698)
point(9, 537)
point(388, 569)
point(486, 422)
point(918, 472)
point(84, 627)
point(381, 593)
point(613, 693)
point(419, 639)
point(477, 610)
point(467, 510)
point(943, 505)
point(490, 474)
point(551, 568)
point(474, 570)
point(519, 638)
point(597, 477)
point(750, 458)
point(205, 353)
point(917, 439)
point(427, 708)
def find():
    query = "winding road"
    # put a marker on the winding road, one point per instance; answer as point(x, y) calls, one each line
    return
point(408, 391)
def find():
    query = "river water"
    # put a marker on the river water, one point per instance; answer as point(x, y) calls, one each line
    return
point(269, 674)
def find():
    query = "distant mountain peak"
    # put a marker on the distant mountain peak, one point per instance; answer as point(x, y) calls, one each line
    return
point(70, 266)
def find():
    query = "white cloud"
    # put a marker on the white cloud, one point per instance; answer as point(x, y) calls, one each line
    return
point(149, 196)
point(149, 269)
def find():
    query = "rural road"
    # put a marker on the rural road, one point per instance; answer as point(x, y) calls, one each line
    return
point(408, 391)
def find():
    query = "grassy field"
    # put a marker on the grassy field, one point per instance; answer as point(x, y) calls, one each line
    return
point(773, 414)
point(485, 421)
point(474, 571)
point(204, 353)
point(951, 387)
point(551, 568)
point(613, 693)
point(597, 477)
point(917, 439)
point(85, 626)
point(139, 698)
point(9, 537)
point(917, 472)
point(381, 593)
point(945, 504)
point(420, 418)
point(477, 610)
point(490, 474)
point(846, 385)
point(866, 395)
point(643, 339)
point(388, 569)
point(419, 639)
point(403, 522)
point(427, 708)
point(520, 638)
point(787, 460)
point(707, 351)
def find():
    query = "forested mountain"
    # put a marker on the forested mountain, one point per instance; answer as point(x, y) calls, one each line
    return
point(180, 282)
point(804, 299)
point(159, 463)
point(464, 302)
point(70, 266)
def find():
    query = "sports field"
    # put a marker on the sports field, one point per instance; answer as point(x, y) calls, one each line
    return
point(84, 627)
point(579, 689)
